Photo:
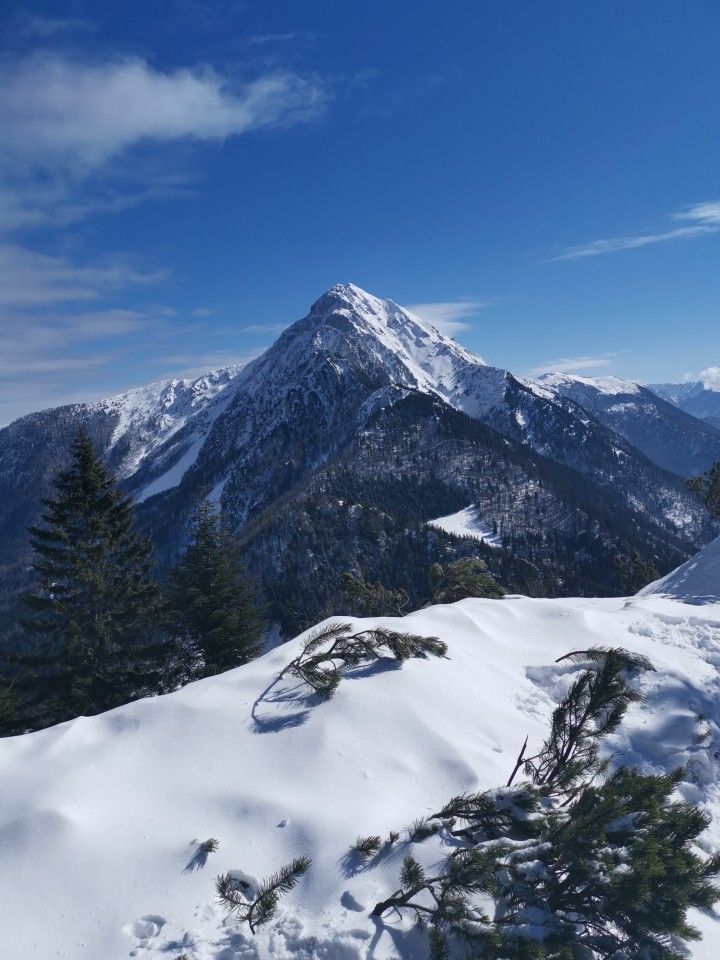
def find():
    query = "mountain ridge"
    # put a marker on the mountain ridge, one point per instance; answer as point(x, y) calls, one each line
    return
point(254, 437)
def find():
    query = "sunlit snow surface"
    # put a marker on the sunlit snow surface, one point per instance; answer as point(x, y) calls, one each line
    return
point(696, 581)
point(611, 386)
point(101, 817)
point(466, 523)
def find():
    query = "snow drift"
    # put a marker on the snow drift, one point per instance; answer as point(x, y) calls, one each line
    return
point(103, 818)
point(696, 581)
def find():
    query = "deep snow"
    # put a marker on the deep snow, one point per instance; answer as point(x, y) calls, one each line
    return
point(696, 581)
point(101, 817)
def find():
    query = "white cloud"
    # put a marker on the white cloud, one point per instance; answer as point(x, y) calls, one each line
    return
point(711, 373)
point(704, 218)
point(66, 125)
point(572, 364)
point(55, 111)
point(447, 316)
point(32, 279)
point(704, 212)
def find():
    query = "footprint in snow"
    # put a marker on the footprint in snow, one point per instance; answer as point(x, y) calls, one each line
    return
point(144, 929)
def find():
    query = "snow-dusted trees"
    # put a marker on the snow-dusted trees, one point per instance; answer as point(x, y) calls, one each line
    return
point(577, 863)
point(95, 602)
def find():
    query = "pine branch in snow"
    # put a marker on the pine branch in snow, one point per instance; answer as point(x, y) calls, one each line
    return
point(262, 908)
point(322, 668)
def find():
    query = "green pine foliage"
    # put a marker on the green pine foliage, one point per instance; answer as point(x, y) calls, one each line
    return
point(592, 708)
point(213, 610)
point(635, 573)
point(95, 606)
point(467, 577)
point(262, 909)
point(707, 487)
point(365, 848)
point(329, 651)
point(575, 861)
point(372, 599)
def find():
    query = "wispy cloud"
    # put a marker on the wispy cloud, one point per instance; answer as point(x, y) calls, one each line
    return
point(67, 123)
point(32, 279)
point(190, 366)
point(32, 343)
point(264, 328)
point(573, 364)
point(448, 316)
point(35, 202)
point(271, 38)
point(54, 346)
point(56, 358)
point(47, 27)
point(80, 115)
point(702, 218)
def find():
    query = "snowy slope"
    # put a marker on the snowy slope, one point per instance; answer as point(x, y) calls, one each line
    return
point(672, 438)
point(101, 816)
point(161, 427)
point(466, 523)
point(696, 581)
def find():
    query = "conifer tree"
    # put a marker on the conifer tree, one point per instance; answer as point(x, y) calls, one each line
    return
point(707, 487)
point(467, 577)
point(213, 607)
point(95, 603)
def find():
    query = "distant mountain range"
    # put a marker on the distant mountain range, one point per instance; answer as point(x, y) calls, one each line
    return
point(701, 398)
point(656, 425)
point(362, 423)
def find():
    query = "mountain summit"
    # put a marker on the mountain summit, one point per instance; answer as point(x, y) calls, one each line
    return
point(360, 425)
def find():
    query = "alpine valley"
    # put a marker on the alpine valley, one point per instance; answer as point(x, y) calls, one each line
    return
point(364, 440)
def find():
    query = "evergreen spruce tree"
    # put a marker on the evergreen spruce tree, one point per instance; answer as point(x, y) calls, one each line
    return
point(95, 604)
point(707, 487)
point(213, 608)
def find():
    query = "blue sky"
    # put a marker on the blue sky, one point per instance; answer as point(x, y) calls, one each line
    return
point(178, 181)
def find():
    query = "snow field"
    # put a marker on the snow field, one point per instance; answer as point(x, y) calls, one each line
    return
point(102, 817)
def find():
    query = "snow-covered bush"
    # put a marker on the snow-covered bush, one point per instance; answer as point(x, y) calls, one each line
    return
point(574, 862)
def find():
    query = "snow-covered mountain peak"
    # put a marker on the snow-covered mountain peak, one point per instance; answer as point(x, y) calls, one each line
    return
point(396, 326)
point(610, 386)
point(430, 361)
